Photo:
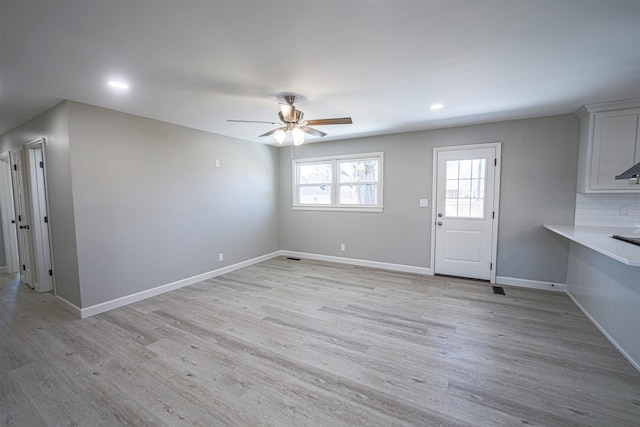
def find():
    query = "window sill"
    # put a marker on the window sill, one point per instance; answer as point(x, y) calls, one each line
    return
point(374, 209)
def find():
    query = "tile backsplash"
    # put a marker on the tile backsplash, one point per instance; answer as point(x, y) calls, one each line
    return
point(608, 210)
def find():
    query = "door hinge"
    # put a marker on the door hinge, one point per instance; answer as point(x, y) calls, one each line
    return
point(493, 214)
point(495, 162)
point(20, 218)
point(15, 167)
point(24, 267)
point(491, 266)
point(46, 219)
point(50, 272)
point(41, 165)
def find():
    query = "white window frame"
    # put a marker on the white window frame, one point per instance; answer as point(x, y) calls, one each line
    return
point(335, 183)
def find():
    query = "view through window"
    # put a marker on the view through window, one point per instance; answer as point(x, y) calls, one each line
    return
point(352, 182)
point(465, 188)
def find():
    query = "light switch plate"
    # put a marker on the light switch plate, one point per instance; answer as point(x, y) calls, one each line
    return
point(424, 203)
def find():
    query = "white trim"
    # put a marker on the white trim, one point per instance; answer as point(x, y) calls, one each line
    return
point(69, 306)
point(323, 159)
point(607, 106)
point(532, 284)
point(496, 199)
point(3, 269)
point(636, 364)
point(366, 208)
point(360, 262)
point(139, 296)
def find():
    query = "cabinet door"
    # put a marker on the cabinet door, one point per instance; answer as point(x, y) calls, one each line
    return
point(616, 147)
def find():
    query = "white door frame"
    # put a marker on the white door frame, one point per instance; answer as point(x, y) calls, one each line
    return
point(7, 212)
point(38, 204)
point(496, 200)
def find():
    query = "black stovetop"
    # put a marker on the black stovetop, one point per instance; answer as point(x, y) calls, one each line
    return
point(632, 240)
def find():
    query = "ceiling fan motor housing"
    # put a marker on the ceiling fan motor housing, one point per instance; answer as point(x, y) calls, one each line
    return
point(292, 120)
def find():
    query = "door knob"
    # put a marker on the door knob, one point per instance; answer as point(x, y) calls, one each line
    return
point(439, 215)
point(439, 222)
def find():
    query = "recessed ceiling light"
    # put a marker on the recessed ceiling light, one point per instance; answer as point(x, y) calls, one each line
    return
point(436, 106)
point(117, 84)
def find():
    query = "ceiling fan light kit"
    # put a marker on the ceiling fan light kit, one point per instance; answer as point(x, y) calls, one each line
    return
point(292, 119)
point(279, 135)
point(298, 136)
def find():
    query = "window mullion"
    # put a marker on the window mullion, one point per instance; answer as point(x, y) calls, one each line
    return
point(336, 185)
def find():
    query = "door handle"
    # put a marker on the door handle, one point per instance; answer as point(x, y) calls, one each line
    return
point(24, 227)
point(439, 222)
point(439, 215)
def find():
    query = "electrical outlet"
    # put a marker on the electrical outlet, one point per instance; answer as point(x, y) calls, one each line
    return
point(220, 257)
point(624, 210)
point(217, 163)
point(343, 247)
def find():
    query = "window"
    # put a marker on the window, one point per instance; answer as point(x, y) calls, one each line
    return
point(351, 182)
point(465, 188)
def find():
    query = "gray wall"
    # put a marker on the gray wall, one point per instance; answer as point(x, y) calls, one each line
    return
point(53, 125)
point(538, 185)
point(151, 208)
point(136, 203)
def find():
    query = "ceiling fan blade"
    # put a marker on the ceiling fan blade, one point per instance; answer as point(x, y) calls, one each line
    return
point(337, 121)
point(311, 131)
point(288, 113)
point(253, 121)
point(271, 132)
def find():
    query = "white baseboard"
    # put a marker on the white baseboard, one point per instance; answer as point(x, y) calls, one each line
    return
point(533, 284)
point(361, 262)
point(139, 296)
point(3, 269)
point(635, 364)
point(70, 306)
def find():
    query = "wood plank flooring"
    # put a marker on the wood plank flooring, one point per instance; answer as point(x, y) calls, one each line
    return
point(308, 343)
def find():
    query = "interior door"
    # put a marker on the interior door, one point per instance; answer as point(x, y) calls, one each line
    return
point(465, 212)
point(25, 250)
point(7, 212)
point(39, 218)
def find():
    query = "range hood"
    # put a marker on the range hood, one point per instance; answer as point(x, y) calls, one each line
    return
point(632, 172)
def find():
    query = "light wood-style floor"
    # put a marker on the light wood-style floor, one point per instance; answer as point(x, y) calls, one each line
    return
point(308, 343)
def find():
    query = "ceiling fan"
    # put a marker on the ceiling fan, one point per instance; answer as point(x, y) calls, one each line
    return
point(292, 121)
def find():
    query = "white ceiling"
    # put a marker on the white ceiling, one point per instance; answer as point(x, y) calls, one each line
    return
point(198, 63)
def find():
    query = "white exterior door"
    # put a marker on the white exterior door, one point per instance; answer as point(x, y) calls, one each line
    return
point(466, 211)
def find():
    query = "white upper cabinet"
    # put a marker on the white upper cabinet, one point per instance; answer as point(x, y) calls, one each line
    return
point(609, 145)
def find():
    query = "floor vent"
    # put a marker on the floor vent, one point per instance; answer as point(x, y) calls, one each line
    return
point(294, 259)
point(498, 290)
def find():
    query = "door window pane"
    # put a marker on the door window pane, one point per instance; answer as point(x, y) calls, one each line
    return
point(465, 188)
point(464, 169)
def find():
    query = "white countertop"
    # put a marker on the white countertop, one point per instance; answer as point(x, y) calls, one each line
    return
point(599, 239)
